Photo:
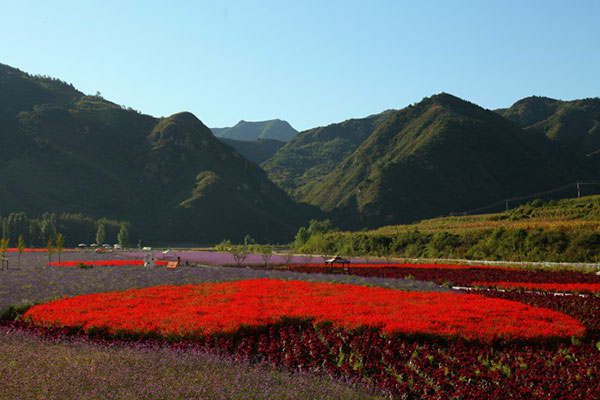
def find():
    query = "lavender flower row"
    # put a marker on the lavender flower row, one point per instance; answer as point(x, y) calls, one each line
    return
point(36, 367)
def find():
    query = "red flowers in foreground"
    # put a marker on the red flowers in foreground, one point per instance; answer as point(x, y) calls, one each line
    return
point(215, 308)
point(107, 262)
point(551, 287)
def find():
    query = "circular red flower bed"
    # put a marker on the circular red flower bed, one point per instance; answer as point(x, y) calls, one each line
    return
point(215, 308)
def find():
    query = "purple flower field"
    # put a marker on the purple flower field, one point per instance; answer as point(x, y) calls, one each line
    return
point(33, 367)
point(220, 258)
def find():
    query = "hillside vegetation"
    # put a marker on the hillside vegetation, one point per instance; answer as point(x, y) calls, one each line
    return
point(574, 125)
point(314, 153)
point(565, 230)
point(441, 155)
point(257, 150)
point(64, 152)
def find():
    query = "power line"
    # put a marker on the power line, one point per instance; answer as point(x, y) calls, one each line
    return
point(530, 196)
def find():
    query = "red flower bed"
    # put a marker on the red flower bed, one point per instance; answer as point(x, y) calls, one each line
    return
point(419, 266)
point(223, 308)
point(584, 309)
point(106, 263)
point(430, 369)
point(551, 287)
point(462, 277)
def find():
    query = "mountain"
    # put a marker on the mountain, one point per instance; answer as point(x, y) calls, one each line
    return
point(441, 155)
point(63, 151)
point(257, 150)
point(574, 125)
point(314, 153)
point(244, 130)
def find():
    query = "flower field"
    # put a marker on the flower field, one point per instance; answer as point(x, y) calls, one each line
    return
point(194, 311)
point(363, 326)
point(458, 275)
point(102, 262)
point(548, 287)
point(36, 367)
point(27, 250)
point(413, 266)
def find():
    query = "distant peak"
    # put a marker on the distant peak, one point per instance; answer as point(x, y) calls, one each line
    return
point(536, 100)
point(447, 97)
point(251, 130)
point(184, 116)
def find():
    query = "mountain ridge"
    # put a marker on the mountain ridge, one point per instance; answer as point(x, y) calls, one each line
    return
point(245, 130)
point(429, 158)
point(169, 176)
point(64, 151)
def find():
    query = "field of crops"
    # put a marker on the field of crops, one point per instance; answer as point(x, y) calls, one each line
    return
point(387, 331)
point(580, 214)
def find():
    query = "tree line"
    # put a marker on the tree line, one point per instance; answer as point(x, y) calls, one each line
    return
point(74, 228)
point(508, 244)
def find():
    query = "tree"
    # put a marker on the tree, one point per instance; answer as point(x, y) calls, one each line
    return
point(239, 253)
point(250, 244)
point(266, 252)
point(123, 236)
point(14, 225)
point(20, 247)
point(3, 249)
point(60, 245)
point(35, 233)
point(289, 256)
point(48, 226)
point(49, 250)
point(100, 234)
point(225, 245)
point(315, 227)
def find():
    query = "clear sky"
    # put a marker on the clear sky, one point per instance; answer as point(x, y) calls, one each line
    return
point(309, 62)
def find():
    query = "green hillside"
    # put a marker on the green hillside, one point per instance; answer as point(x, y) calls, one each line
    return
point(314, 153)
point(64, 152)
point(572, 124)
point(441, 155)
point(565, 230)
point(257, 150)
point(245, 130)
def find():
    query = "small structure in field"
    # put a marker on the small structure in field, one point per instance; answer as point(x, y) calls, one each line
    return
point(149, 260)
point(342, 262)
point(168, 254)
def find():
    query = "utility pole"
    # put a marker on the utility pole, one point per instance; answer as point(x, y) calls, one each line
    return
point(578, 190)
point(506, 204)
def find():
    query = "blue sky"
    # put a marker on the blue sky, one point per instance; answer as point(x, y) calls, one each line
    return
point(311, 63)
